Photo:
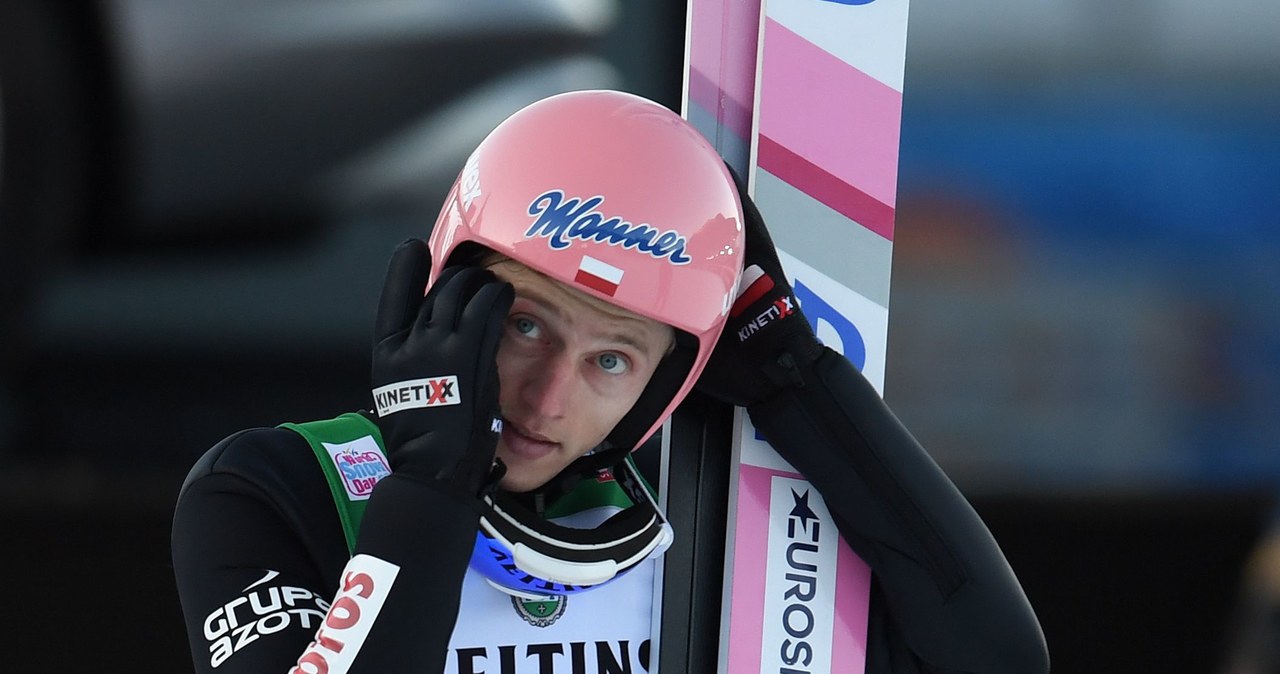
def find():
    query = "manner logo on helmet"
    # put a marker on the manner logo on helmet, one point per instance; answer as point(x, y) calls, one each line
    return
point(413, 393)
point(561, 219)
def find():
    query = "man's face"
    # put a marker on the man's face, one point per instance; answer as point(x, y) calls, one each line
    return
point(570, 367)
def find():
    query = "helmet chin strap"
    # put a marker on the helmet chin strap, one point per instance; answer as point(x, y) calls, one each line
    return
point(547, 558)
point(521, 553)
point(586, 466)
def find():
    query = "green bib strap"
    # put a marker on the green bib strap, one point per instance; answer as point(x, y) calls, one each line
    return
point(351, 454)
point(349, 448)
point(592, 493)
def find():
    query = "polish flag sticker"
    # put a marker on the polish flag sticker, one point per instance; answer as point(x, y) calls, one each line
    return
point(754, 284)
point(598, 275)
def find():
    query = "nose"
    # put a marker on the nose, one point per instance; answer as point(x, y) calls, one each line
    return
point(547, 390)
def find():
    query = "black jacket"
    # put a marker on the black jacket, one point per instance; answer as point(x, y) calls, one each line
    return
point(259, 552)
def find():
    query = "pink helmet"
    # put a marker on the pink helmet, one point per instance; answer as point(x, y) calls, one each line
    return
point(620, 198)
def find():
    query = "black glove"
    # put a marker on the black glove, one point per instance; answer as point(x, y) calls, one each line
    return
point(435, 375)
point(767, 341)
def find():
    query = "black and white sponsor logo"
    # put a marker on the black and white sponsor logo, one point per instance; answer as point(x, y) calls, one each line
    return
point(803, 529)
point(261, 609)
point(800, 581)
point(413, 393)
point(574, 657)
point(780, 309)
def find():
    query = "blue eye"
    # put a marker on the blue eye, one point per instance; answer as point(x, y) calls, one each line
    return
point(524, 326)
point(612, 363)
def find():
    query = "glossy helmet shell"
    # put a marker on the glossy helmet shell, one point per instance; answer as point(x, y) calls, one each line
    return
point(620, 198)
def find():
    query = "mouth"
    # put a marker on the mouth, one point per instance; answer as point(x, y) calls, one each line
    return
point(525, 444)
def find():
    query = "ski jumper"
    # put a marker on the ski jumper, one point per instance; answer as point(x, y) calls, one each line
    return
point(260, 555)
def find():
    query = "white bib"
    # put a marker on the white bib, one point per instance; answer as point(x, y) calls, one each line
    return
point(605, 630)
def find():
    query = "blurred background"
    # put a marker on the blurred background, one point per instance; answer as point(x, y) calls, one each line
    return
point(198, 199)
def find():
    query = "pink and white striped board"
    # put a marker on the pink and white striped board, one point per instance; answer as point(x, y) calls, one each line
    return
point(804, 97)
